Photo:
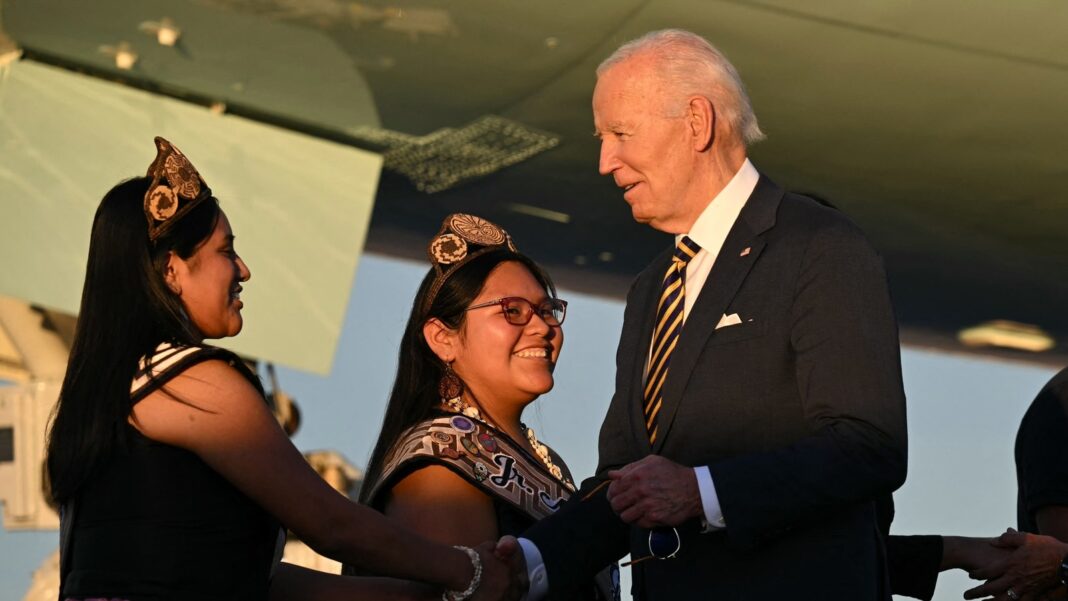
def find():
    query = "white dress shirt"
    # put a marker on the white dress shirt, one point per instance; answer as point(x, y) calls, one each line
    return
point(709, 232)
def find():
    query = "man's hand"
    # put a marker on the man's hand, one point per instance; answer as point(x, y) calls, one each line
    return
point(504, 572)
point(1030, 572)
point(653, 492)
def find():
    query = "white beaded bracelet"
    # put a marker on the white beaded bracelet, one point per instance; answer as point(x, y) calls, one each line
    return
point(467, 593)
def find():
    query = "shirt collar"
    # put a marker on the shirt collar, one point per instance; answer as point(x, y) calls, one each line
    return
point(715, 222)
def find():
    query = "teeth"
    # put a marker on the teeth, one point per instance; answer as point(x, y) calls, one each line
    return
point(539, 353)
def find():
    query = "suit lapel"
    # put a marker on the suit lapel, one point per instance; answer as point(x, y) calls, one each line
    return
point(723, 282)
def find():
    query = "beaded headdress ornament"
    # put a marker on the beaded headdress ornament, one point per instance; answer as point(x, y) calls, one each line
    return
point(175, 190)
point(461, 238)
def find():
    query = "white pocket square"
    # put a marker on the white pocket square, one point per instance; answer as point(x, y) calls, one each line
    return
point(728, 320)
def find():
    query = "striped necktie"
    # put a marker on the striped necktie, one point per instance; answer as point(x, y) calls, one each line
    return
point(669, 313)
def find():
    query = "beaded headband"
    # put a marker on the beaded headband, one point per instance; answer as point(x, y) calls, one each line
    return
point(175, 190)
point(461, 238)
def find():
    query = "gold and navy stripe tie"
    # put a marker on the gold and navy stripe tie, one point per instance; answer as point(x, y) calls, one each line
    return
point(669, 312)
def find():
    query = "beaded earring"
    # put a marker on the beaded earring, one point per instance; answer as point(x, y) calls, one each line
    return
point(450, 387)
point(451, 390)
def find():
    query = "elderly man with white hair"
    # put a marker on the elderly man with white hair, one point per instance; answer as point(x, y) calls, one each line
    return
point(758, 408)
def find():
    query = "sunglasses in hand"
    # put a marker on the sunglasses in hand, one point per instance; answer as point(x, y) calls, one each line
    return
point(664, 543)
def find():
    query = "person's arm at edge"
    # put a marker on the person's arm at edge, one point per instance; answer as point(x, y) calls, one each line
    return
point(1052, 520)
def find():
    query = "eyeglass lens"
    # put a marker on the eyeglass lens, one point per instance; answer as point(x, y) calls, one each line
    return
point(664, 543)
point(518, 311)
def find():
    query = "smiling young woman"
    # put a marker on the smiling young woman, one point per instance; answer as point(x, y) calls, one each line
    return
point(173, 476)
point(209, 283)
point(454, 460)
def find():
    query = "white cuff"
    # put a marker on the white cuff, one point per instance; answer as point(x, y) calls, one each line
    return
point(539, 580)
point(713, 518)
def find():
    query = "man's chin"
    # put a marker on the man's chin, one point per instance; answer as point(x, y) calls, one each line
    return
point(654, 223)
point(640, 217)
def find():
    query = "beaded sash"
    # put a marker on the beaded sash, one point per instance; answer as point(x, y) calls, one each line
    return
point(482, 455)
point(491, 460)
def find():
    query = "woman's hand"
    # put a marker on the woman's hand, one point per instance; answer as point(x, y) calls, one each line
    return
point(504, 573)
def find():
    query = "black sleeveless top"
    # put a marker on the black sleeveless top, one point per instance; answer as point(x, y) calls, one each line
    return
point(158, 523)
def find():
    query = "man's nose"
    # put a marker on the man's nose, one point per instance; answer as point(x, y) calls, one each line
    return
point(609, 162)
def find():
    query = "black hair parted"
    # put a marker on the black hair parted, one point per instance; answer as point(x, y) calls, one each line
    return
point(126, 311)
point(415, 389)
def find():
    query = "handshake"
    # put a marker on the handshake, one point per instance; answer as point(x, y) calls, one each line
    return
point(503, 572)
point(1016, 566)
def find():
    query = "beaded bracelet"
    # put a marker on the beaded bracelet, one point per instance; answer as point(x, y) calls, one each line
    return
point(467, 593)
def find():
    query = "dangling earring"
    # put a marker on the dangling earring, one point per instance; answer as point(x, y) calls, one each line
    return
point(451, 390)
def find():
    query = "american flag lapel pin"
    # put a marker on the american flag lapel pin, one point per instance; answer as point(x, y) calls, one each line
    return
point(746, 251)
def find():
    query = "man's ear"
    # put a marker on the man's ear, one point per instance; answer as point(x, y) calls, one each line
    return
point(441, 339)
point(702, 118)
point(175, 265)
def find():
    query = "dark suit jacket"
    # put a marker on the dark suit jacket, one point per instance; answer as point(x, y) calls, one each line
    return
point(798, 411)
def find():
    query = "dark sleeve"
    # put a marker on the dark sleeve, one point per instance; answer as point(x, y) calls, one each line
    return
point(913, 563)
point(848, 371)
point(1042, 449)
point(579, 540)
point(585, 535)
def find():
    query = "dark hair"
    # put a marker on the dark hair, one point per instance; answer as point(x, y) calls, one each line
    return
point(126, 311)
point(415, 390)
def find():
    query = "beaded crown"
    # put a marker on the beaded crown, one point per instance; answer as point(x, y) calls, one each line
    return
point(175, 190)
point(462, 237)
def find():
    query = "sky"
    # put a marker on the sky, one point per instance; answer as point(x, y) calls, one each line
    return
point(962, 415)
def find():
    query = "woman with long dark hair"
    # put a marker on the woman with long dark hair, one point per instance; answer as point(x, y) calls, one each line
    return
point(454, 461)
point(172, 474)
